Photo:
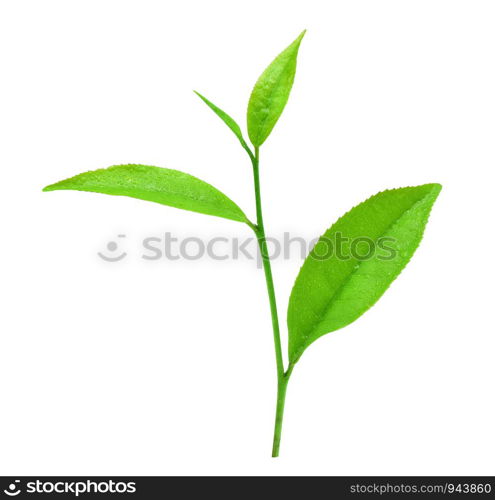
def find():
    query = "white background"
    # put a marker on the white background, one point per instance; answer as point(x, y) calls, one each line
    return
point(168, 367)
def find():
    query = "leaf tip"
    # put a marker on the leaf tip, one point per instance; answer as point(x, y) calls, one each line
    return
point(199, 95)
point(297, 42)
point(435, 188)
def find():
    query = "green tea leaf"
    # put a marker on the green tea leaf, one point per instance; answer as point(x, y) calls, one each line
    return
point(271, 93)
point(331, 292)
point(228, 120)
point(160, 185)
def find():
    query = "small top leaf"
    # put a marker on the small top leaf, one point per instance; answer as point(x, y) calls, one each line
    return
point(271, 93)
point(229, 121)
point(329, 293)
point(160, 185)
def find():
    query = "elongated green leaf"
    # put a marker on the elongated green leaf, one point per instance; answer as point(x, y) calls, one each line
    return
point(271, 93)
point(160, 185)
point(228, 120)
point(331, 292)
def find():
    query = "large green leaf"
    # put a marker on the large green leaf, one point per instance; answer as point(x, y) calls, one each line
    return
point(228, 120)
point(160, 185)
point(271, 93)
point(331, 292)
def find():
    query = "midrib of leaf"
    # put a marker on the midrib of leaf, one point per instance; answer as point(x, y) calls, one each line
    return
point(270, 98)
point(180, 195)
point(335, 296)
point(202, 200)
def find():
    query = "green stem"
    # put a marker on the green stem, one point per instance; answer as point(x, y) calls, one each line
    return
point(282, 377)
point(279, 415)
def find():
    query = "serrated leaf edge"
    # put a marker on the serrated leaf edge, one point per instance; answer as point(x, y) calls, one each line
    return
point(436, 187)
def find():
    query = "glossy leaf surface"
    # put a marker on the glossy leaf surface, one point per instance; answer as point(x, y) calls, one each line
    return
point(332, 291)
point(160, 185)
point(271, 93)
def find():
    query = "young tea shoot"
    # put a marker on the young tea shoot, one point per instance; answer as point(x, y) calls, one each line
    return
point(329, 293)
